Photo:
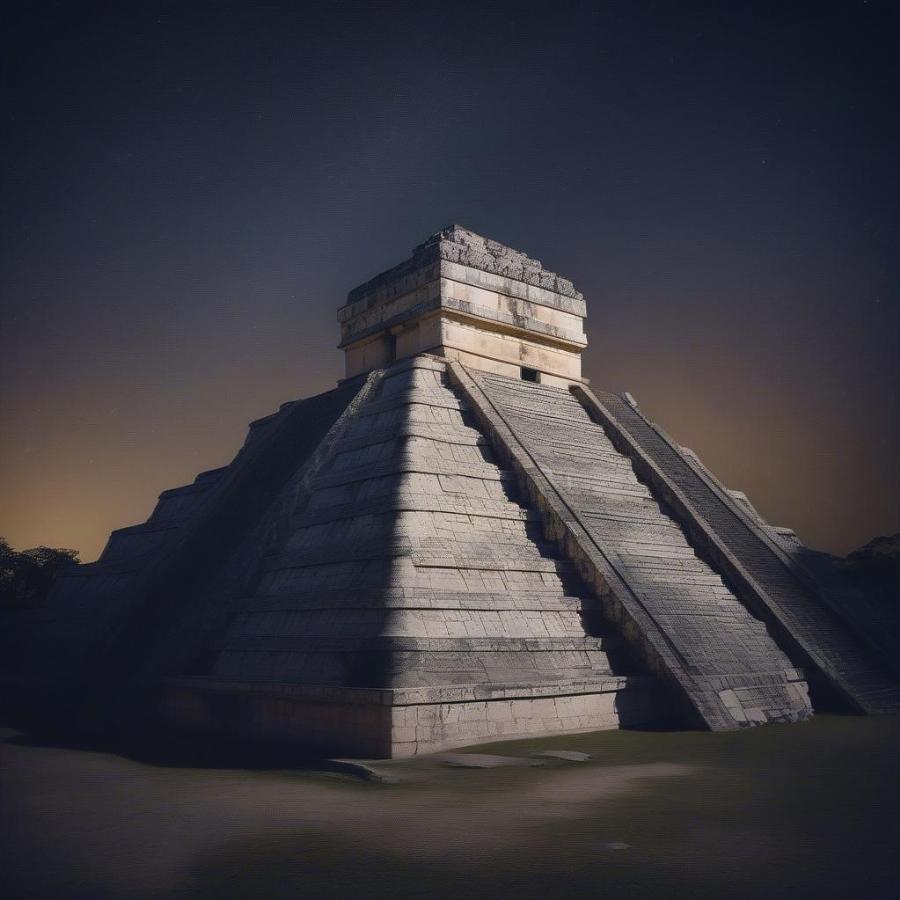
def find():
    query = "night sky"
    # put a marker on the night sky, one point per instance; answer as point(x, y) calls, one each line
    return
point(189, 191)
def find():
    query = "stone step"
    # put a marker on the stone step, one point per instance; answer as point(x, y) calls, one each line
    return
point(407, 598)
point(332, 642)
point(591, 496)
point(410, 501)
point(401, 464)
point(770, 583)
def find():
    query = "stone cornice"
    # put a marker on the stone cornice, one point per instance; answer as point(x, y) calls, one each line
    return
point(493, 320)
point(457, 245)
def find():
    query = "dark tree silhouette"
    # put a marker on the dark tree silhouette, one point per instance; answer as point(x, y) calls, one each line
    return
point(26, 575)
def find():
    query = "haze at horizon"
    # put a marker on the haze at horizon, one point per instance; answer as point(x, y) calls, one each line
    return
point(190, 192)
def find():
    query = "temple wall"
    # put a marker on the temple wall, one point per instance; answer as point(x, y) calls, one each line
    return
point(564, 324)
point(486, 348)
point(391, 724)
point(373, 353)
point(460, 294)
point(504, 354)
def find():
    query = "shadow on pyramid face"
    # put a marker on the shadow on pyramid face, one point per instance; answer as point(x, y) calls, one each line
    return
point(411, 603)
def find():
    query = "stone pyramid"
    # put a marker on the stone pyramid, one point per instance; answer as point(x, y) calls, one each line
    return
point(460, 543)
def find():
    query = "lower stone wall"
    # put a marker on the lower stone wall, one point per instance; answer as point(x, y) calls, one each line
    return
point(428, 728)
point(380, 724)
point(506, 353)
point(310, 719)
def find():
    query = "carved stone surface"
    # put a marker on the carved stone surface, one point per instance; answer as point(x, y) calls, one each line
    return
point(769, 580)
point(460, 245)
point(678, 613)
point(467, 297)
point(442, 552)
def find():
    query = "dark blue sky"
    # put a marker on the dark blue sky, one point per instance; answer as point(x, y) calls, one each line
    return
point(189, 190)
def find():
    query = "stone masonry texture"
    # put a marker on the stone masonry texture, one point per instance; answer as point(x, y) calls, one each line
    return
point(451, 547)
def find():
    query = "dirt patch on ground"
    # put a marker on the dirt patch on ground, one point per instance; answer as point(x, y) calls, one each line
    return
point(109, 824)
point(808, 810)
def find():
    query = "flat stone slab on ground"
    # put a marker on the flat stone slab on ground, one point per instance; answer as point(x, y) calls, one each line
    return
point(569, 755)
point(363, 770)
point(484, 761)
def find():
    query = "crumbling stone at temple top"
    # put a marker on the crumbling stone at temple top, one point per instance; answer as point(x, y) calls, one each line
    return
point(468, 298)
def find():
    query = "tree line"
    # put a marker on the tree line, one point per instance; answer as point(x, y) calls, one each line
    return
point(26, 575)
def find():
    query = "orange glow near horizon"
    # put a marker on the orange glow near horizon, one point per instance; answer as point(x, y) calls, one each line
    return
point(189, 193)
point(85, 472)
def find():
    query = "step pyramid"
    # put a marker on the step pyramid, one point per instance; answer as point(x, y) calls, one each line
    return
point(460, 543)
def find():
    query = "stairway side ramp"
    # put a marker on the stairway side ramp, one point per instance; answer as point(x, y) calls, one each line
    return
point(674, 610)
point(772, 585)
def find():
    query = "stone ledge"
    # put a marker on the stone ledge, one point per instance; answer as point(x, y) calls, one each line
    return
point(417, 695)
point(395, 600)
point(412, 501)
point(483, 316)
point(461, 246)
point(408, 722)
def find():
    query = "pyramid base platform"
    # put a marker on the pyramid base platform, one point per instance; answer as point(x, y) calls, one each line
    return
point(404, 722)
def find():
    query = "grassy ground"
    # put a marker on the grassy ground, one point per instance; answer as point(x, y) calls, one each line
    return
point(805, 810)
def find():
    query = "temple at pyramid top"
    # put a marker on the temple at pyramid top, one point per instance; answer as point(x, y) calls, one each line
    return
point(469, 298)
